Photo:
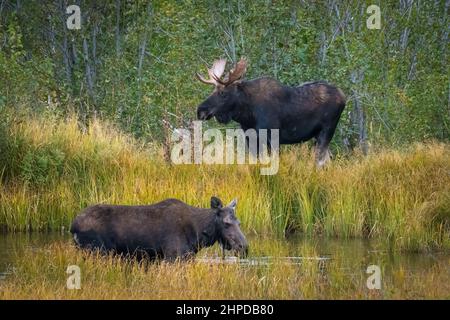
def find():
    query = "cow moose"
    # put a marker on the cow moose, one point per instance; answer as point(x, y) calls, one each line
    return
point(311, 110)
point(166, 230)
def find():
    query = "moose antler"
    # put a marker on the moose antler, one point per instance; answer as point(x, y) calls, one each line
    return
point(238, 71)
point(216, 71)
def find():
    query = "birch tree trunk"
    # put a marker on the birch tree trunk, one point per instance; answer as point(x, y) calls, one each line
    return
point(359, 112)
point(88, 70)
point(141, 56)
point(117, 28)
point(64, 45)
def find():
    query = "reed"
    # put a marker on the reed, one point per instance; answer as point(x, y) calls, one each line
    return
point(41, 274)
point(51, 168)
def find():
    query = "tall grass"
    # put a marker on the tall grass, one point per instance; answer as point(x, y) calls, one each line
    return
point(52, 168)
point(41, 274)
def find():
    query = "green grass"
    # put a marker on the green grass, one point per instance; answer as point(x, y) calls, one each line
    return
point(51, 169)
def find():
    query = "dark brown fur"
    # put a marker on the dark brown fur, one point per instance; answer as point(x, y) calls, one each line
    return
point(169, 229)
point(311, 110)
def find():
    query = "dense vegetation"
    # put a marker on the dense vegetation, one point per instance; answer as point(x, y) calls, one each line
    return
point(86, 115)
point(52, 169)
point(130, 69)
point(133, 62)
point(40, 274)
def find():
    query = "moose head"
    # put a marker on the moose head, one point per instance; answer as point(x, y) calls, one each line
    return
point(228, 228)
point(227, 94)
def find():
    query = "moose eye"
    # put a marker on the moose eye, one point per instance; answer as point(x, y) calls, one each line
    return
point(222, 94)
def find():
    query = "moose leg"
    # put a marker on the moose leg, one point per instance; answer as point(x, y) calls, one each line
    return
point(265, 145)
point(177, 249)
point(322, 156)
point(171, 255)
point(322, 151)
point(223, 253)
point(251, 146)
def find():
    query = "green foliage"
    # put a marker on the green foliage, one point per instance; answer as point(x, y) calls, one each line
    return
point(41, 165)
point(404, 66)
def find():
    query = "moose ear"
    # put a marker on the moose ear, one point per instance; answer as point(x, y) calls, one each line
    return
point(232, 204)
point(216, 203)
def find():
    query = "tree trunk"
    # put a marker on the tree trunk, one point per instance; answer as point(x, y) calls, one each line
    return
point(142, 49)
point(359, 112)
point(143, 45)
point(118, 28)
point(88, 70)
point(64, 45)
point(444, 42)
point(94, 52)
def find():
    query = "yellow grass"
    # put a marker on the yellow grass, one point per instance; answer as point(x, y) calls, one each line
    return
point(51, 169)
point(41, 274)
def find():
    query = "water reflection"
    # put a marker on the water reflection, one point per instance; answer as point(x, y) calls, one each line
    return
point(13, 244)
point(354, 255)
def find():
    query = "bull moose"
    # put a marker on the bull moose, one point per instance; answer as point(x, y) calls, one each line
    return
point(166, 230)
point(311, 110)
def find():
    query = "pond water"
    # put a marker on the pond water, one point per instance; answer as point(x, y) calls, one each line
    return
point(354, 255)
